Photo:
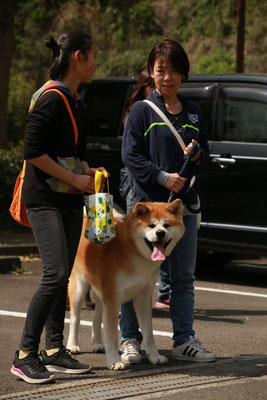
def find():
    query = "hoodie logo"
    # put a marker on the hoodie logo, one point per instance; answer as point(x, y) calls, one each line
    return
point(193, 118)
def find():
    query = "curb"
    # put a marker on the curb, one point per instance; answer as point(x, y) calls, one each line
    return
point(9, 263)
point(10, 256)
point(18, 250)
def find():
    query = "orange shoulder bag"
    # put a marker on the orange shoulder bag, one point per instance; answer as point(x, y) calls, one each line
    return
point(17, 208)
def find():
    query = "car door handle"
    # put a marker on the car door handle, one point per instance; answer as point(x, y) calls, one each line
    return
point(97, 146)
point(223, 161)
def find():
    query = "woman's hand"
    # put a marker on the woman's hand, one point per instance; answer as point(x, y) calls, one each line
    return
point(84, 183)
point(103, 178)
point(187, 151)
point(175, 183)
point(89, 173)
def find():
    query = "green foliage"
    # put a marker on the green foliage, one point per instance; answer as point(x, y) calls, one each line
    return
point(128, 20)
point(142, 17)
point(220, 62)
point(11, 161)
point(202, 17)
point(20, 93)
point(33, 20)
point(122, 30)
point(130, 62)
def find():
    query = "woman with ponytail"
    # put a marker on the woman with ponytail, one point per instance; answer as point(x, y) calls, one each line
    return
point(56, 176)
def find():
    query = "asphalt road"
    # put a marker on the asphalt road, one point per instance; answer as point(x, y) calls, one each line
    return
point(230, 320)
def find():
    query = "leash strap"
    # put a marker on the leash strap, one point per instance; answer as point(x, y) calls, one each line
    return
point(168, 122)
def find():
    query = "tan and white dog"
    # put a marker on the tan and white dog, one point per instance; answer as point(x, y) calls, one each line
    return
point(122, 269)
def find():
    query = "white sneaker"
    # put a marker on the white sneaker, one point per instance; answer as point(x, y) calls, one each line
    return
point(130, 352)
point(192, 351)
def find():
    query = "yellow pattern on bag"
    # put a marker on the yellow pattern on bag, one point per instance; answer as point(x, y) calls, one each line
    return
point(100, 226)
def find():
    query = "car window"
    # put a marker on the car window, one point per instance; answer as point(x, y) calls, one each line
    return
point(105, 103)
point(244, 119)
point(204, 97)
point(205, 105)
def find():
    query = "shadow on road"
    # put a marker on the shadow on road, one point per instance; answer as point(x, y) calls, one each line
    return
point(241, 270)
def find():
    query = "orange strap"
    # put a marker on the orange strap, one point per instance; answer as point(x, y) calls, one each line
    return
point(23, 169)
point(76, 135)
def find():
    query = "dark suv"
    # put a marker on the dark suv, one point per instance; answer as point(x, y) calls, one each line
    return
point(234, 217)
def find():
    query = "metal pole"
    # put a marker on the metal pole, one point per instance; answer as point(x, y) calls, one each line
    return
point(241, 11)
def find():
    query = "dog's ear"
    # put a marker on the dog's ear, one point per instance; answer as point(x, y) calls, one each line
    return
point(141, 209)
point(176, 207)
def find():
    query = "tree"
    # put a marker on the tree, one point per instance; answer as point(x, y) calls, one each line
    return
point(7, 11)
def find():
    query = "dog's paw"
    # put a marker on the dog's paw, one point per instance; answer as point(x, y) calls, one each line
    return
point(75, 349)
point(117, 366)
point(158, 359)
point(97, 348)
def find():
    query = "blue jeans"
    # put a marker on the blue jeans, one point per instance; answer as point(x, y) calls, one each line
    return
point(129, 201)
point(164, 281)
point(57, 234)
point(182, 263)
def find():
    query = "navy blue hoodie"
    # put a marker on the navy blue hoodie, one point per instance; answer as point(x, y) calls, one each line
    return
point(149, 146)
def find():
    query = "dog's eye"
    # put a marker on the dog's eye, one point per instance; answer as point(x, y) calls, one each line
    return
point(152, 226)
point(166, 226)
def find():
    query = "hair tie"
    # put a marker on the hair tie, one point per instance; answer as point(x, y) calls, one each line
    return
point(54, 46)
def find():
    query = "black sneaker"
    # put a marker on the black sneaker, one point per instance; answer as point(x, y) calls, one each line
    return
point(62, 361)
point(31, 369)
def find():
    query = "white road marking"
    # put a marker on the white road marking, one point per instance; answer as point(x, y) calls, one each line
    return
point(156, 333)
point(13, 314)
point(239, 293)
point(67, 320)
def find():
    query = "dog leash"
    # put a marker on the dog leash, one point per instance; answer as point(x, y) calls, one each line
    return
point(168, 122)
point(194, 149)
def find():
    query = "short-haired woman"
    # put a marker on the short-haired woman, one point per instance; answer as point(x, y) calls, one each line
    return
point(154, 158)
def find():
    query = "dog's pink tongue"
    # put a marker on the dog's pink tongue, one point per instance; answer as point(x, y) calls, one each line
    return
point(158, 253)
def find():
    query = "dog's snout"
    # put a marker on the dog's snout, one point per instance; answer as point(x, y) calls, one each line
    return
point(160, 234)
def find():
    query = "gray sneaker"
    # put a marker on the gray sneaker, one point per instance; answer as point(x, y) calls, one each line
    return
point(130, 352)
point(192, 351)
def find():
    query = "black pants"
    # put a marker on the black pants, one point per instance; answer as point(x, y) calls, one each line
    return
point(57, 234)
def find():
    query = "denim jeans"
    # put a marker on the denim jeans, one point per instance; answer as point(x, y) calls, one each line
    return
point(129, 201)
point(164, 281)
point(182, 263)
point(57, 234)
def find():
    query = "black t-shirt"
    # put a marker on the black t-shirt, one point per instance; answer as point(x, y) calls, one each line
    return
point(50, 131)
point(178, 120)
